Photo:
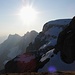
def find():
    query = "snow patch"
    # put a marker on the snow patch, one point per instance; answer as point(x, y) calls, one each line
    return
point(56, 62)
point(53, 31)
point(47, 55)
point(60, 21)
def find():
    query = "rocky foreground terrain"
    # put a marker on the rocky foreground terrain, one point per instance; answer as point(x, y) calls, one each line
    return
point(44, 73)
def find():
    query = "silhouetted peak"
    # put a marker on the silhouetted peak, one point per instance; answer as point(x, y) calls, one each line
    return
point(13, 36)
point(31, 32)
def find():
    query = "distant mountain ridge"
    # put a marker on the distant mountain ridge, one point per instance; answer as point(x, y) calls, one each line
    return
point(10, 42)
point(15, 45)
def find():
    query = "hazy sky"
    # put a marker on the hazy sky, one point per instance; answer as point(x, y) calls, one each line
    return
point(10, 23)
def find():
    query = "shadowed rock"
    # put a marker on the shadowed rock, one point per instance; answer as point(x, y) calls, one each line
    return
point(66, 43)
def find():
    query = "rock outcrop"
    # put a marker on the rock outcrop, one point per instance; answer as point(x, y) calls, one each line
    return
point(66, 43)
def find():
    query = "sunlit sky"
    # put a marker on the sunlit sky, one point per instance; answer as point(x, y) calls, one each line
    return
point(11, 23)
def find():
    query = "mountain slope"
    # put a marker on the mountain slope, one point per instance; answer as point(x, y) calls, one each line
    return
point(11, 41)
point(49, 33)
point(64, 59)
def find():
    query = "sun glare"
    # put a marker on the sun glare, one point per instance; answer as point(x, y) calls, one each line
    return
point(28, 14)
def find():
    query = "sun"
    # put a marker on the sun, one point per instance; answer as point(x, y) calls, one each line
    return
point(27, 14)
